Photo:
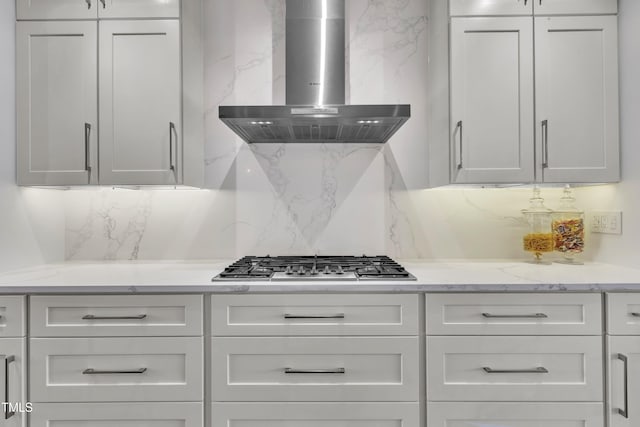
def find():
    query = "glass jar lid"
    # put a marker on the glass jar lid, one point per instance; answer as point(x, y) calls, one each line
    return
point(536, 204)
point(568, 202)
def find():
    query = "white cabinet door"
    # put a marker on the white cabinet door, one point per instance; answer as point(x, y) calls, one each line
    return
point(575, 7)
point(57, 97)
point(485, 414)
point(123, 414)
point(12, 382)
point(624, 381)
point(338, 414)
point(140, 86)
point(623, 313)
point(514, 368)
point(57, 9)
point(492, 100)
point(577, 98)
point(490, 7)
point(138, 9)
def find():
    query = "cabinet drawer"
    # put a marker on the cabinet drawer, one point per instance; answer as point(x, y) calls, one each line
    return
point(514, 314)
point(623, 314)
point(116, 315)
point(489, 7)
point(238, 315)
point(514, 369)
point(116, 414)
point(315, 369)
point(515, 414)
point(115, 369)
point(12, 316)
point(316, 415)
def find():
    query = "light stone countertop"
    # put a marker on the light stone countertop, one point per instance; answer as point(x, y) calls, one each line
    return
point(433, 276)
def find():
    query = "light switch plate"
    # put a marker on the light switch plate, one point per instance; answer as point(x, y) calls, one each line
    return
point(606, 222)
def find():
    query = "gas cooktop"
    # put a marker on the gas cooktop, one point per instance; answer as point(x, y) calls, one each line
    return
point(314, 268)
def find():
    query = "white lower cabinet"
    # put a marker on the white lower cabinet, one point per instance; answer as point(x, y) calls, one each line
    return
point(12, 381)
point(315, 369)
point(464, 414)
point(116, 415)
point(537, 368)
point(316, 415)
point(116, 369)
point(624, 381)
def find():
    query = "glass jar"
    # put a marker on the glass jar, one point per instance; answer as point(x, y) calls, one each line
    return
point(568, 229)
point(538, 239)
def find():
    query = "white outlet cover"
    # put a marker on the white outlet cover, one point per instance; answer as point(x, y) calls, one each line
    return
point(606, 222)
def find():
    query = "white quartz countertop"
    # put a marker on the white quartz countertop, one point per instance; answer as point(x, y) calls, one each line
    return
point(433, 276)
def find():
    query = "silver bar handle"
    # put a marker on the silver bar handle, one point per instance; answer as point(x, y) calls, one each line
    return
point(515, 316)
point(94, 317)
point(172, 166)
point(87, 149)
point(104, 3)
point(91, 371)
point(625, 412)
point(635, 314)
point(88, 4)
point(7, 360)
point(525, 2)
point(459, 128)
point(545, 143)
point(314, 371)
point(314, 316)
point(537, 370)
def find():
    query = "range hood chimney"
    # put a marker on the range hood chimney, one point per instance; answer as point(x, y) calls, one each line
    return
point(315, 88)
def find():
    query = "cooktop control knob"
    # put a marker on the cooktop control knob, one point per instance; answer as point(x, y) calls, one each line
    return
point(326, 270)
point(301, 271)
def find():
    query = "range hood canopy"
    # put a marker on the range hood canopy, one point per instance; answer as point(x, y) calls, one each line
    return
point(315, 88)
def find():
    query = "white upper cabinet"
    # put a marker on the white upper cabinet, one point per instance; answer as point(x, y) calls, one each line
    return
point(56, 103)
point(492, 99)
point(577, 98)
point(140, 94)
point(527, 7)
point(94, 9)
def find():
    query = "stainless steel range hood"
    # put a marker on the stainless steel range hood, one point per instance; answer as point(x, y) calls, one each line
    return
point(315, 88)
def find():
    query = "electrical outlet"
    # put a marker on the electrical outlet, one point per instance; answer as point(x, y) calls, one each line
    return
point(606, 222)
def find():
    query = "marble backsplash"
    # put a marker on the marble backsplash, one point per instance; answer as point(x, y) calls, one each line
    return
point(306, 199)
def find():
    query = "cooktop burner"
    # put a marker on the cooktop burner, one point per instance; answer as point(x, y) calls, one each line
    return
point(316, 268)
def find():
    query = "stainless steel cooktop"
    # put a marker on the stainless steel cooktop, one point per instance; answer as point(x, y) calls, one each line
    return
point(314, 268)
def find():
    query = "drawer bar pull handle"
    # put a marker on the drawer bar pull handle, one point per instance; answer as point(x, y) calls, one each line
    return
point(625, 412)
point(7, 360)
point(314, 371)
point(538, 370)
point(314, 316)
point(634, 314)
point(94, 317)
point(91, 371)
point(515, 316)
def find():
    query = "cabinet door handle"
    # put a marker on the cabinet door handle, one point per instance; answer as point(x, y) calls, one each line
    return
point(87, 149)
point(7, 413)
point(635, 314)
point(94, 317)
point(537, 370)
point(515, 316)
point(314, 316)
point(525, 2)
point(545, 144)
point(104, 3)
point(459, 128)
point(88, 4)
point(91, 371)
point(625, 412)
point(172, 166)
point(314, 371)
